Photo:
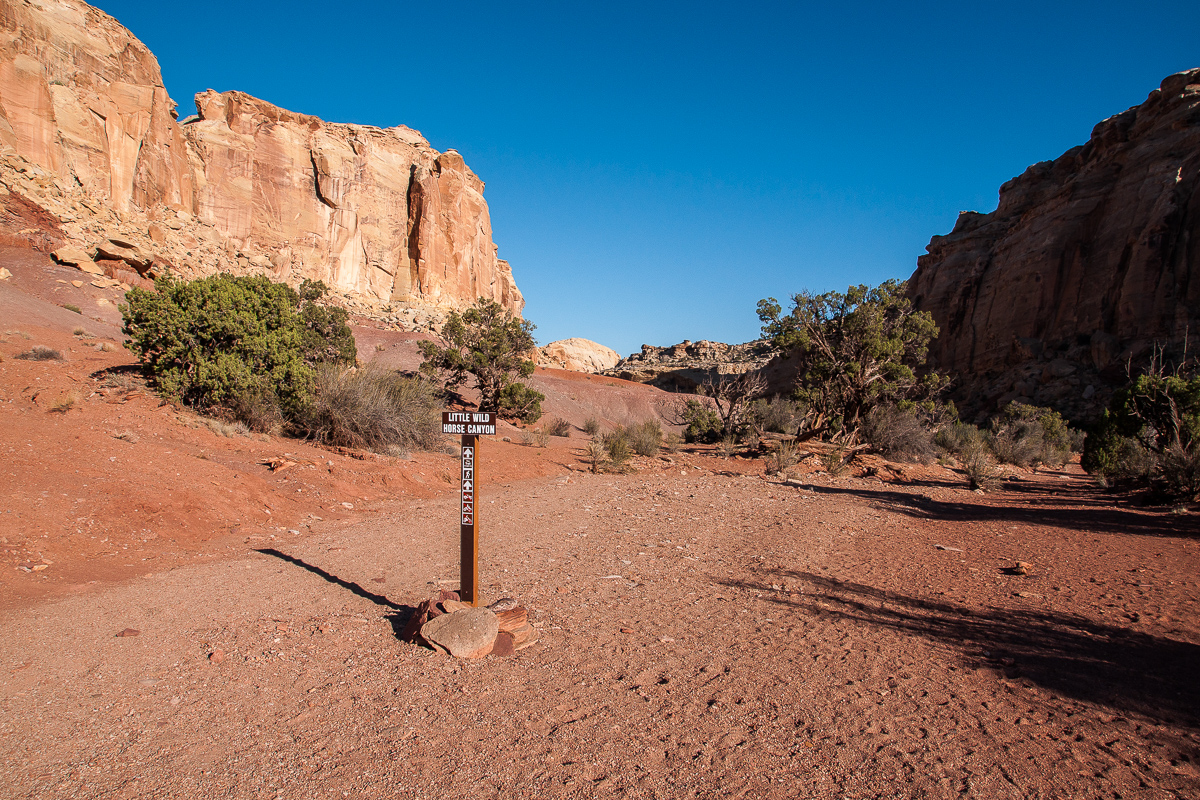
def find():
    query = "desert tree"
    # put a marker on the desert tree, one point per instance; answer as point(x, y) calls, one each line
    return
point(856, 349)
point(732, 395)
point(488, 343)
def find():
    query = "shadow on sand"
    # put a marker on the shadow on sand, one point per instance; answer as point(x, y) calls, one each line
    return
point(1071, 506)
point(401, 613)
point(1128, 671)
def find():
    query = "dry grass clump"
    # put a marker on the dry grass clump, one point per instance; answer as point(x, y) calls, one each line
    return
point(227, 429)
point(72, 307)
point(106, 347)
point(728, 446)
point(1181, 470)
point(372, 408)
point(591, 426)
point(126, 436)
point(836, 460)
point(597, 454)
point(784, 457)
point(122, 381)
point(556, 426)
point(536, 437)
point(41, 353)
point(646, 437)
point(68, 401)
point(20, 334)
point(898, 435)
point(83, 333)
point(672, 442)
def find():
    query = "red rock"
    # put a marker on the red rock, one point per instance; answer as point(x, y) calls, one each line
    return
point(217, 657)
point(1087, 261)
point(378, 214)
point(128, 632)
point(504, 646)
point(512, 619)
point(465, 634)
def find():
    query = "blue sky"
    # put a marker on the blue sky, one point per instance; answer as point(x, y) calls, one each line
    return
point(654, 169)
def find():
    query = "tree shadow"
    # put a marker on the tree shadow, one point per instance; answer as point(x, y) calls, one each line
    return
point(1070, 507)
point(401, 613)
point(1128, 671)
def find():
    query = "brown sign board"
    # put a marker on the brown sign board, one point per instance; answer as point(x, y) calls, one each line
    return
point(469, 423)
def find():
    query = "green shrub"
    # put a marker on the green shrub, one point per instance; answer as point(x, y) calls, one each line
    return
point(703, 422)
point(216, 341)
point(898, 434)
point(1109, 453)
point(591, 426)
point(777, 415)
point(645, 438)
point(959, 437)
point(672, 442)
point(372, 408)
point(72, 307)
point(616, 445)
point(521, 402)
point(1151, 429)
point(1030, 435)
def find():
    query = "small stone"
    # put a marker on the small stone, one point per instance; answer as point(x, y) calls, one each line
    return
point(128, 632)
point(77, 284)
point(217, 657)
point(503, 604)
point(450, 606)
point(1021, 568)
point(348, 505)
point(4, 274)
point(156, 233)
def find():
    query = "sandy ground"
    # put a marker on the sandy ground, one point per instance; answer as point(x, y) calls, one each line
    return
point(705, 630)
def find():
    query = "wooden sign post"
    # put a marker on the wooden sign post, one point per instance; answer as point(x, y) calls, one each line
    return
point(470, 425)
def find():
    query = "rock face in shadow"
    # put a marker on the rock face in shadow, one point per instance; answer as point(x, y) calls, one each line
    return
point(1088, 262)
point(88, 132)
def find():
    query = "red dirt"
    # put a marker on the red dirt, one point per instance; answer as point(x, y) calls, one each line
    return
point(705, 630)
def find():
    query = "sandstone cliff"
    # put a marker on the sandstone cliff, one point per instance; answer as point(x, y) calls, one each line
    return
point(88, 132)
point(686, 366)
point(1087, 262)
point(577, 355)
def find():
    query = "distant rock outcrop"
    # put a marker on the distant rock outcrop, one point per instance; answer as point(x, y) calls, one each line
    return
point(1087, 263)
point(578, 355)
point(88, 133)
point(686, 366)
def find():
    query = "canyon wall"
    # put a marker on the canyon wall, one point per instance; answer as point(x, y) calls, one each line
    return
point(1088, 262)
point(88, 132)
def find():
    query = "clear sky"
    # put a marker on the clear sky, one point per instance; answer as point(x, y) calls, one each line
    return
point(653, 169)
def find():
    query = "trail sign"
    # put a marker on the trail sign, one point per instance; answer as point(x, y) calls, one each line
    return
point(470, 425)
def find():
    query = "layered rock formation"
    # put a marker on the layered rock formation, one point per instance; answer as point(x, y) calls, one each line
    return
point(88, 132)
point(1088, 262)
point(686, 366)
point(577, 355)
